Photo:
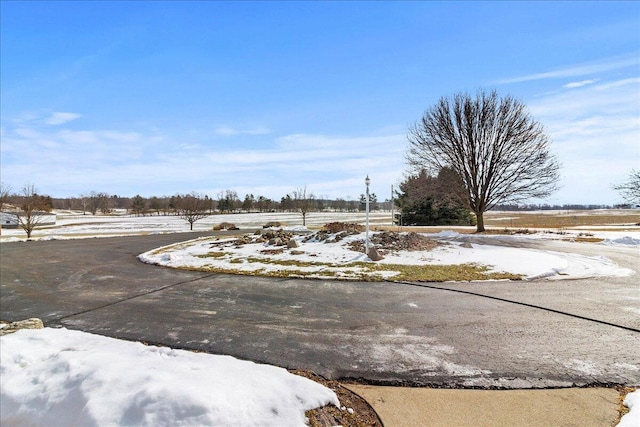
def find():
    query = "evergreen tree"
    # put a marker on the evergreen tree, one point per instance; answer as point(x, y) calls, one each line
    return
point(427, 200)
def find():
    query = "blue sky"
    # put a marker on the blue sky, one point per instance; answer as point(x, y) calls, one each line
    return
point(158, 98)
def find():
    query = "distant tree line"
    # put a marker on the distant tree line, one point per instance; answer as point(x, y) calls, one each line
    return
point(31, 206)
point(226, 201)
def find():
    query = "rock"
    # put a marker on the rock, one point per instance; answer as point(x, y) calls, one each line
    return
point(293, 244)
point(374, 255)
point(276, 241)
point(9, 328)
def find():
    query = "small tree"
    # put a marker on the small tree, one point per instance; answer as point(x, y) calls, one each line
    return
point(373, 202)
point(303, 201)
point(138, 205)
point(33, 209)
point(264, 204)
point(630, 189)
point(227, 201)
point(191, 208)
point(249, 202)
point(499, 152)
point(155, 204)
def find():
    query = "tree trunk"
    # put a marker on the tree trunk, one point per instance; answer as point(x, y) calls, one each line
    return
point(479, 222)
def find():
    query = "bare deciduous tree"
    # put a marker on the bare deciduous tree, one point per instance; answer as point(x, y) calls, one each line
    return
point(191, 208)
point(138, 205)
point(34, 209)
point(303, 201)
point(5, 190)
point(630, 189)
point(500, 153)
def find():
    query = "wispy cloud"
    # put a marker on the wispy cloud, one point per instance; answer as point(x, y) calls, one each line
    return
point(577, 70)
point(224, 130)
point(60, 118)
point(574, 85)
point(595, 130)
point(71, 162)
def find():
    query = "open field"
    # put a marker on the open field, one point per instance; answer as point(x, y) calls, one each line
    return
point(75, 225)
point(619, 218)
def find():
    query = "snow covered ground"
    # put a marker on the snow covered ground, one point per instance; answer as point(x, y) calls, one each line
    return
point(71, 225)
point(66, 378)
point(316, 258)
point(526, 262)
point(74, 378)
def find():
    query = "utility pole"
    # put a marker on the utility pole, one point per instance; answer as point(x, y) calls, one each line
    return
point(392, 213)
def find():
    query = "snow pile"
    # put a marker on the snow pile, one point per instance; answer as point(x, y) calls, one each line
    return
point(62, 377)
point(632, 419)
point(623, 240)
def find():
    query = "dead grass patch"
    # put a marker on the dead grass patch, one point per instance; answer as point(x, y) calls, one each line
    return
point(362, 271)
point(220, 254)
point(559, 220)
point(584, 239)
point(441, 273)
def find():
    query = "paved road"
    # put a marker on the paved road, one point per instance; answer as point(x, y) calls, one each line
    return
point(441, 335)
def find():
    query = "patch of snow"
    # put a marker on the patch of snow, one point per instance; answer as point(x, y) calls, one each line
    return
point(63, 377)
point(624, 240)
point(632, 419)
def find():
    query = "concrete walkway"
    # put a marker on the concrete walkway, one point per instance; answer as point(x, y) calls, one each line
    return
point(424, 407)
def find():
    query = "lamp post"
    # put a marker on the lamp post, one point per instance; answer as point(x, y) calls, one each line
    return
point(367, 181)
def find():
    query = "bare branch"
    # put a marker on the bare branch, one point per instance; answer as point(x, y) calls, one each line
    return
point(630, 189)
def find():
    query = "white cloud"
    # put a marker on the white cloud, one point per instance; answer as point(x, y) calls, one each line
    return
point(60, 118)
point(583, 69)
point(224, 130)
point(573, 85)
point(70, 162)
point(595, 130)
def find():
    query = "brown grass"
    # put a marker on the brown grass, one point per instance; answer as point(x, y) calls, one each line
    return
point(561, 220)
point(500, 221)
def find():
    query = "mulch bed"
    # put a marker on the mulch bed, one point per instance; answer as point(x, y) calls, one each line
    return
point(354, 411)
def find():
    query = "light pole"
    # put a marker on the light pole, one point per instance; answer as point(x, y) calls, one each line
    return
point(367, 181)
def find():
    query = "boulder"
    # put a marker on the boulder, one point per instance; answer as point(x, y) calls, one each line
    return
point(374, 255)
point(293, 244)
point(276, 241)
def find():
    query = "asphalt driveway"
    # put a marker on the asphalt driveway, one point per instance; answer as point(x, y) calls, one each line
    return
point(493, 334)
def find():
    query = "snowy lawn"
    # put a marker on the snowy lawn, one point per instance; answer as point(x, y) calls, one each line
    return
point(66, 378)
point(74, 226)
point(334, 258)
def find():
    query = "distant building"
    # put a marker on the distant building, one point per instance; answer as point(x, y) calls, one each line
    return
point(10, 219)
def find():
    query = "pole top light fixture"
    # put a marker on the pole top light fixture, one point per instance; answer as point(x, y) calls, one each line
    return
point(367, 181)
